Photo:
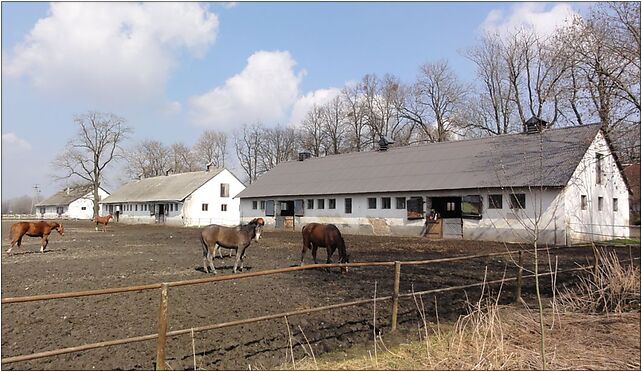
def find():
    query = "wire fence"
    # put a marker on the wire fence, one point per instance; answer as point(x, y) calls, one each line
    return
point(163, 334)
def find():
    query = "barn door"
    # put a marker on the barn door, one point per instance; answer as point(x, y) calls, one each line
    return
point(269, 208)
point(298, 208)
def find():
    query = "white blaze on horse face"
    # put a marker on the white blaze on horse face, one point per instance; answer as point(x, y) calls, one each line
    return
point(257, 233)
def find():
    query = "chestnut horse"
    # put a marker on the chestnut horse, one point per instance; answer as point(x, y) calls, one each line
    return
point(238, 237)
point(319, 235)
point(37, 229)
point(104, 220)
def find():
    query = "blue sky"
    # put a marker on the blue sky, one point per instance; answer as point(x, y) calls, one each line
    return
point(174, 69)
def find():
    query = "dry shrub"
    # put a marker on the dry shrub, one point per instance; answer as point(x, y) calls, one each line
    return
point(614, 289)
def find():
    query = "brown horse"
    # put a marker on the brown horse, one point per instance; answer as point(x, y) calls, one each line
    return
point(238, 237)
point(319, 235)
point(104, 220)
point(37, 229)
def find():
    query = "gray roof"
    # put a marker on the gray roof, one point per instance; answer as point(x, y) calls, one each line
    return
point(511, 160)
point(65, 198)
point(174, 187)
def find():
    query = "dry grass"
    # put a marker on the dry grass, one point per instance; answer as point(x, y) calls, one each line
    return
point(614, 288)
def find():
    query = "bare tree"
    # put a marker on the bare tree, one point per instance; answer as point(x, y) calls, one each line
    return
point(149, 158)
point(211, 147)
point(92, 149)
point(182, 158)
point(312, 133)
point(356, 118)
point(334, 113)
point(279, 145)
point(248, 142)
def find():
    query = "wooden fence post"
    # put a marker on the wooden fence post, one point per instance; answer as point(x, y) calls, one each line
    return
point(162, 329)
point(520, 268)
point(395, 296)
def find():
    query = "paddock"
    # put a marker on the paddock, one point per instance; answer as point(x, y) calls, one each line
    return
point(126, 255)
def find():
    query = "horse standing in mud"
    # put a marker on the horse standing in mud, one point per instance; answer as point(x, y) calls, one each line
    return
point(238, 237)
point(40, 229)
point(317, 235)
point(104, 220)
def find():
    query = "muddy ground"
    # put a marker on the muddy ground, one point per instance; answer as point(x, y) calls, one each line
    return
point(127, 255)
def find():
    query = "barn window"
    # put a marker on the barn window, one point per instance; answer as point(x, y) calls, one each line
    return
point(269, 208)
point(310, 203)
point(415, 208)
point(450, 206)
point(385, 203)
point(600, 203)
point(598, 168)
point(401, 203)
point(136, 207)
point(255, 204)
point(176, 207)
point(615, 208)
point(495, 201)
point(517, 201)
point(332, 203)
point(471, 206)
point(263, 204)
point(204, 207)
point(225, 190)
point(372, 203)
point(348, 205)
point(42, 210)
point(320, 203)
point(298, 207)
point(83, 208)
point(583, 202)
point(223, 207)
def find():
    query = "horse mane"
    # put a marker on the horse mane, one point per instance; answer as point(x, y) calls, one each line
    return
point(53, 225)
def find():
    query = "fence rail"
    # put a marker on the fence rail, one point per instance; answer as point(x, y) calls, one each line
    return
point(163, 334)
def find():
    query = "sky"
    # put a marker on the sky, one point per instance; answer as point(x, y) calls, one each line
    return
point(174, 69)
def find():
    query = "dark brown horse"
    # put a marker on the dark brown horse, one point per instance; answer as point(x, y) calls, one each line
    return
point(238, 237)
point(104, 220)
point(317, 235)
point(40, 229)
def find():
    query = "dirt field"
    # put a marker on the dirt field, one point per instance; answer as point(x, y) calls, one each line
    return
point(126, 255)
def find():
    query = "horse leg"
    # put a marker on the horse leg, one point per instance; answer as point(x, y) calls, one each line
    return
point(314, 252)
point(330, 250)
point(210, 261)
point(240, 252)
point(207, 257)
point(45, 241)
point(306, 245)
point(96, 226)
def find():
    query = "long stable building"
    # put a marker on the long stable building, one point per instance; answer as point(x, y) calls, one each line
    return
point(563, 185)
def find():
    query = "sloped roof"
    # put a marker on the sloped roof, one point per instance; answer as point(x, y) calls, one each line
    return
point(174, 187)
point(65, 198)
point(498, 161)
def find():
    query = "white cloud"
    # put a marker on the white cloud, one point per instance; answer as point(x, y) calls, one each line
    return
point(110, 51)
point(264, 91)
point(230, 4)
point(12, 142)
point(173, 107)
point(534, 16)
point(306, 103)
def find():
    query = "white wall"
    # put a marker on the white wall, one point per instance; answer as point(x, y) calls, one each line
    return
point(81, 208)
point(592, 224)
point(210, 194)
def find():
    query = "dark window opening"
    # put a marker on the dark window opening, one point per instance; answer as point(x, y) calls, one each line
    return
point(415, 208)
point(320, 203)
point(223, 207)
point(269, 208)
point(401, 203)
point(372, 203)
point(255, 204)
point(583, 202)
point(615, 207)
point(225, 190)
point(298, 208)
point(204, 207)
point(495, 201)
point(332, 203)
point(471, 206)
point(348, 205)
point(517, 201)
point(600, 203)
point(385, 203)
point(310, 203)
point(598, 168)
point(263, 204)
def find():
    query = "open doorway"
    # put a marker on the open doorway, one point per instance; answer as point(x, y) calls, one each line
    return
point(444, 217)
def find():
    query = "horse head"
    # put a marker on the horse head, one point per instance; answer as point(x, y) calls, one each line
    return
point(258, 224)
point(60, 228)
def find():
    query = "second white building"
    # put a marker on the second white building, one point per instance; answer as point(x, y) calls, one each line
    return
point(190, 199)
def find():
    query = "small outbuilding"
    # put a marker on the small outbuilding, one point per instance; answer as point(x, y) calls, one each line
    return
point(560, 185)
point(71, 202)
point(190, 199)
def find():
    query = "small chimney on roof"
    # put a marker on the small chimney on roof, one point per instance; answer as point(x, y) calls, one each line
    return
point(384, 142)
point(303, 155)
point(208, 166)
point(535, 125)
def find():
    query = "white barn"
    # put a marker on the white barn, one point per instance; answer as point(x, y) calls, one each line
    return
point(190, 199)
point(562, 185)
point(72, 202)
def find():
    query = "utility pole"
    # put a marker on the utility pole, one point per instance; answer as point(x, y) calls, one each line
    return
point(35, 198)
